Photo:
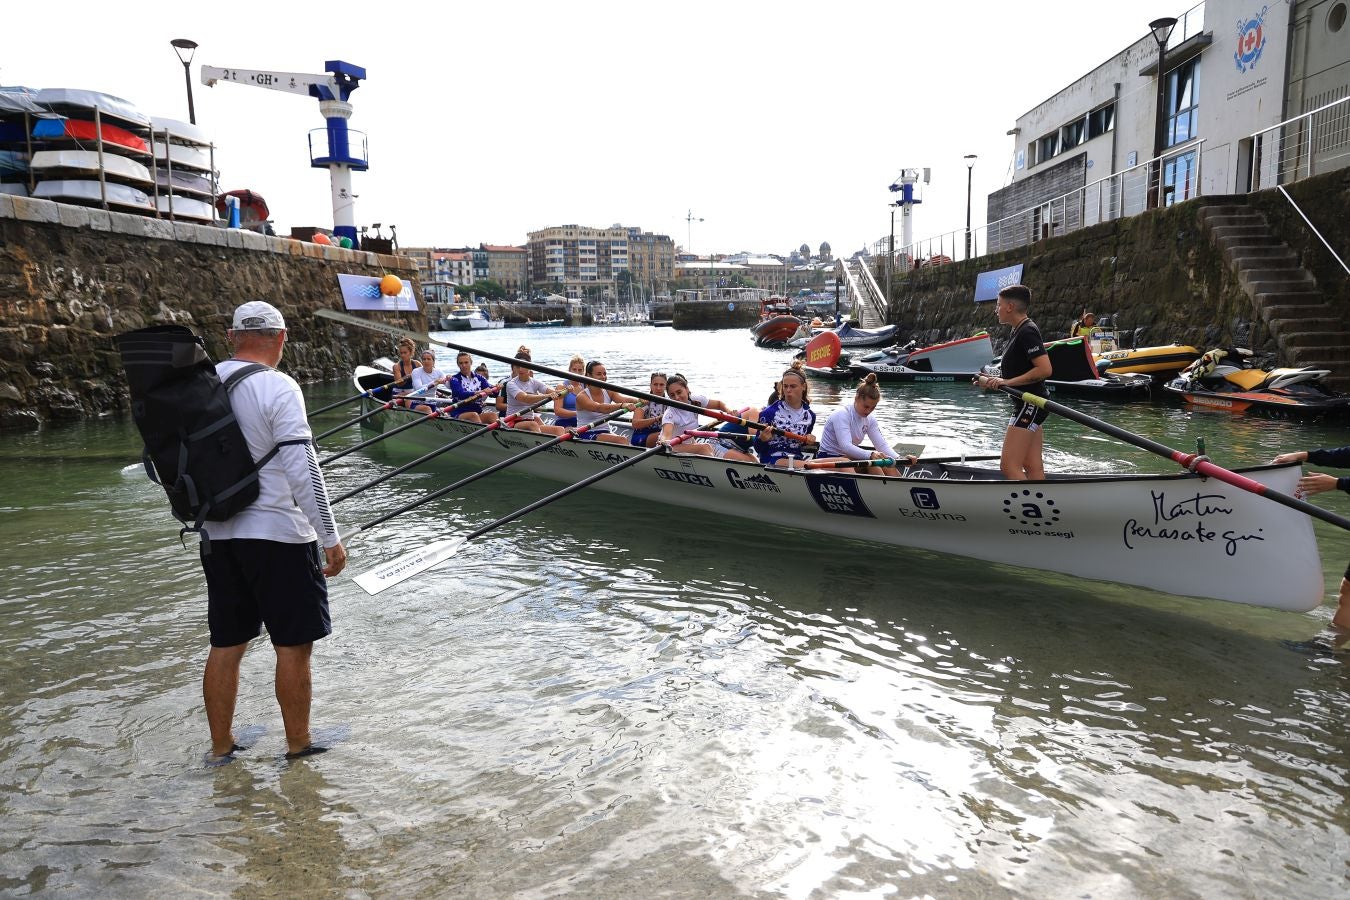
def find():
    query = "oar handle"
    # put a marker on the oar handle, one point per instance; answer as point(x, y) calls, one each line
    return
point(361, 396)
point(1189, 461)
point(855, 463)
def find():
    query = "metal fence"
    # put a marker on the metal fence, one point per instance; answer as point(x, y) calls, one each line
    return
point(1303, 146)
point(1306, 145)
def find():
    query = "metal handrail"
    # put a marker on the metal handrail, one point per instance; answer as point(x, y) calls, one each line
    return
point(1314, 229)
point(1257, 134)
point(1110, 205)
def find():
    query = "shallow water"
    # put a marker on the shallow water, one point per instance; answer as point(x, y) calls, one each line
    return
point(606, 700)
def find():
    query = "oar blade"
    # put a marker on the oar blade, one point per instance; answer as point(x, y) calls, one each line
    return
point(397, 571)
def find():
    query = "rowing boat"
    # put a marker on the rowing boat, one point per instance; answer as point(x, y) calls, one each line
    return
point(1178, 533)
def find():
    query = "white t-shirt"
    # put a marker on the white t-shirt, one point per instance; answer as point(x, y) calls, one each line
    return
point(515, 387)
point(844, 431)
point(421, 377)
point(683, 420)
point(292, 505)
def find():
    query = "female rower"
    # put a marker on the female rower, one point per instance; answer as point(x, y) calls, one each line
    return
point(846, 426)
point(594, 403)
point(425, 379)
point(523, 390)
point(647, 420)
point(790, 412)
point(565, 407)
point(677, 421)
point(403, 369)
point(463, 385)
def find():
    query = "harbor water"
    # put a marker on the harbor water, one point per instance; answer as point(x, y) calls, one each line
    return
point(606, 699)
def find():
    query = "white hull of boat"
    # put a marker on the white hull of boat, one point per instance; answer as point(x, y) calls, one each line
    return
point(90, 192)
point(1175, 533)
point(187, 208)
point(197, 158)
point(87, 162)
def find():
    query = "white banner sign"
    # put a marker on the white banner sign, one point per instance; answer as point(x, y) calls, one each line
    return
point(363, 292)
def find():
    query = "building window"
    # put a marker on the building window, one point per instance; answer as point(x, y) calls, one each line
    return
point(1071, 135)
point(1047, 147)
point(1183, 101)
point(1100, 121)
point(1179, 178)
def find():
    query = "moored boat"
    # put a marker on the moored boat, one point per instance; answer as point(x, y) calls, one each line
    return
point(468, 317)
point(951, 361)
point(1178, 533)
point(89, 192)
point(1156, 361)
point(88, 163)
point(1299, 392)
point(855, 337)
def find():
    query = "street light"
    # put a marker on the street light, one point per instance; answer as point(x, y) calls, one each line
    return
point(1161, 29)
point(970, 166)
point(181, 45)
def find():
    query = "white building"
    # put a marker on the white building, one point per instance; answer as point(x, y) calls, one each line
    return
point(1232, 69)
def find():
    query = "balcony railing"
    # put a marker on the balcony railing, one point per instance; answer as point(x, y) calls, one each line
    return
point(1300, 147)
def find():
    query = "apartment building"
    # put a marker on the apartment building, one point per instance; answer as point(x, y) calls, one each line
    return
point(577, 258)
point(651, 260)
point(508, 266)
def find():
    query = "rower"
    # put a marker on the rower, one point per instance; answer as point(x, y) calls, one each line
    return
point(846, 427)
point(593, 403)
point(677, 421)
point(523, 390)
point(790, 412)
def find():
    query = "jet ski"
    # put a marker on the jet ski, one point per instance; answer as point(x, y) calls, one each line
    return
point(854, 337)
point(1225, 379)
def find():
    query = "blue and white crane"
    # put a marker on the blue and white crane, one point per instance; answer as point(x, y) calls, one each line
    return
point(332, 91)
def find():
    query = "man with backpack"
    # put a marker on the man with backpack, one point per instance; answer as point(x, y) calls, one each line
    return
point(263, 564)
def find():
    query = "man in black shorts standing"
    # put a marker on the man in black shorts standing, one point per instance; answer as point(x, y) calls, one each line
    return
point(263, 565)
point(1025, 366)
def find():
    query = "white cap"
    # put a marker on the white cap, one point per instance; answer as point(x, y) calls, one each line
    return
point(258, 315)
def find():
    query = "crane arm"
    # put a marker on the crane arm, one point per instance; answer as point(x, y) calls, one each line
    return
point(341, 80)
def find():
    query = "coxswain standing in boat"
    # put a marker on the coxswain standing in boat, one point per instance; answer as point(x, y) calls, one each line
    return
point(594, 403)
point(1316, 483)
point(846, 427)
point(463, 385)
point(1025, 365)
point(789, 410)
point(264, 566)
point(523, 390)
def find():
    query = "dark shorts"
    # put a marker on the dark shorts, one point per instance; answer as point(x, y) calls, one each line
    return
point(1028, 416)
point(639, 436)
point(466, 408)
point(251, 583)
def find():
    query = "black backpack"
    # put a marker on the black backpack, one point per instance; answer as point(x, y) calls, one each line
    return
point(194, 447)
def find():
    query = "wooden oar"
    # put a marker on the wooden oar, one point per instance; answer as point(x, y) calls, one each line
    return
point(438, 412)
point(397, 331)
point(361, 396)
point(1189, 461)
point(496, 467)
point(432, 555)
point(486, 429)
point(413, 395)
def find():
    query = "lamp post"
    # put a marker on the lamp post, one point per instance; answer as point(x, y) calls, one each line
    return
point(970, 167)
point(181, 46)
point(890, 252)
point(1161, 30)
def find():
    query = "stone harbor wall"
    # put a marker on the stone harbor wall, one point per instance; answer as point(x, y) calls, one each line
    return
point(1158, 275)
point(72, 278)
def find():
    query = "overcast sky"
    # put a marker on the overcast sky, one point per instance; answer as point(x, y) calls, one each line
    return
point(776, 123)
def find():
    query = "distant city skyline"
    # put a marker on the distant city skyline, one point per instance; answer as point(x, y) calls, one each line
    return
point(766, 126)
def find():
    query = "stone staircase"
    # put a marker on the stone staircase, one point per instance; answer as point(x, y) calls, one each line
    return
point(869, 296)
point(1307, 329)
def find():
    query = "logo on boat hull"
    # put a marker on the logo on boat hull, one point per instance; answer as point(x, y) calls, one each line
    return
point(838, 495)
point(684, 477)
point(1036, 513)
point(761, 482)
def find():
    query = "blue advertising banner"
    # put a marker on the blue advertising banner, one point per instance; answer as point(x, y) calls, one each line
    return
point(988, 284)
point(838, 495)
point(363, 292)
